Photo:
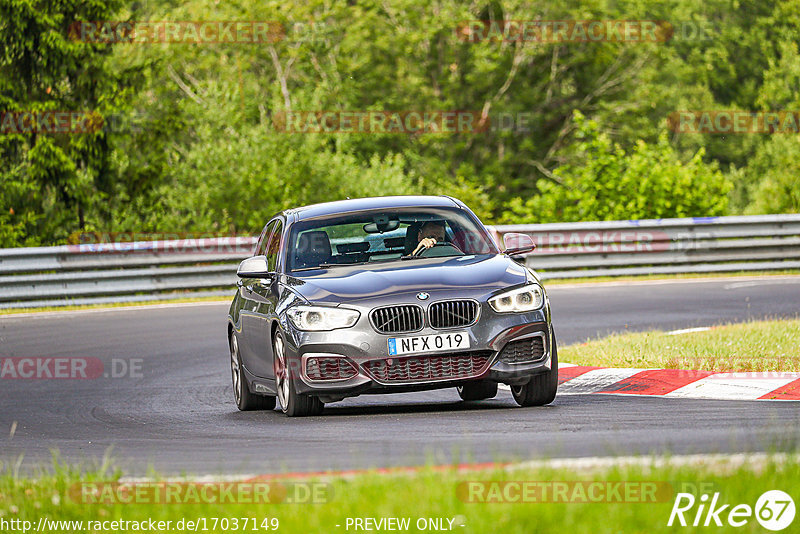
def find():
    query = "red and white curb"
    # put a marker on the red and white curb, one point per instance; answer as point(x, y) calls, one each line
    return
point(677, 383)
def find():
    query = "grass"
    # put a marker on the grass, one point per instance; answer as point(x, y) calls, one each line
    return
point(752, 346)
point(656, 277)
point(434, 494)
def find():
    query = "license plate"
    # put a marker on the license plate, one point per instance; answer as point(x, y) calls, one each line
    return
point(430, 343)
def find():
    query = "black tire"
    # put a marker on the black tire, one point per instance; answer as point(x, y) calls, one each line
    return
point(542, 388)
point(316, 406)
point(477, 390)
point(293, 404)
point(244, 399)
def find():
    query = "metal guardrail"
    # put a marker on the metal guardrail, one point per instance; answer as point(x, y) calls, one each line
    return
point(120, 272)
point(663, 246)
point(153, 270)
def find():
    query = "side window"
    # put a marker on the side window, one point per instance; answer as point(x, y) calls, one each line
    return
point(274, 248)
point(261, 247)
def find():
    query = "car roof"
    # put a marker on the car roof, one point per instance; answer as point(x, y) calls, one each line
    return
point(370, 203)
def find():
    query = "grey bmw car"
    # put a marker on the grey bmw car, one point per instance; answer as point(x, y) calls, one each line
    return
point(383, 295)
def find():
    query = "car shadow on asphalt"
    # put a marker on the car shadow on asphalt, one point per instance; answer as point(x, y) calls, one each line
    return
point(417, 407)
point(375, 406)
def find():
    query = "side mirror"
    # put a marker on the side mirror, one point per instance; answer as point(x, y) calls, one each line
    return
point(517, 244)
point(255, 267)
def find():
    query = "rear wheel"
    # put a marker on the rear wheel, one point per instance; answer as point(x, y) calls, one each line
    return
point(245, 400)
point(542, 388)
point(478, 390)
point(293, 404)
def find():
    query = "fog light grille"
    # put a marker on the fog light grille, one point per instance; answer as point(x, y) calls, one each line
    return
point(329, 368)
point(523, 351)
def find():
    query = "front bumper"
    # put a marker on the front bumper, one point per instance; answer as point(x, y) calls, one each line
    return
point(361, 347)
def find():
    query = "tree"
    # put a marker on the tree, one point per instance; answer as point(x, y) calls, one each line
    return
point(54, 181)
point(774, 176)
point(610, 183)
point(770, 183)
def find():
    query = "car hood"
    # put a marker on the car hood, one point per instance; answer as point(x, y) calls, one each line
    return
point(481, 274)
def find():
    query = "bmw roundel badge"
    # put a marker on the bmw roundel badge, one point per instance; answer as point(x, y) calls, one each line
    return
point(423, 296)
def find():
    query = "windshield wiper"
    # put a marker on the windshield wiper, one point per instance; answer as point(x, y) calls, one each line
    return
point(329, 265)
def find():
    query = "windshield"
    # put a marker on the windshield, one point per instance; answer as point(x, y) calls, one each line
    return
point(385, 235)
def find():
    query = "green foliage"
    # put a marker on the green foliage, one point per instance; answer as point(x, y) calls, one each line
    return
point(771, 181)
point(48, 181)
point(774, 176)
point(14, 226)
point(648, 181)
point(197, 149)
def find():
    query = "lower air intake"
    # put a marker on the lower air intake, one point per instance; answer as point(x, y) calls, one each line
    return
point(528, 350)
point(329, 368)
point(438, 367)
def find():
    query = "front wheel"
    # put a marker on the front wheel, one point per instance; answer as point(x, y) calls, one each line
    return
point(293, 404)
point(542, 388)
point(245, 400)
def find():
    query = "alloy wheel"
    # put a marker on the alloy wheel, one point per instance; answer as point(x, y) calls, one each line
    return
point(282, 380)
point(236, 371)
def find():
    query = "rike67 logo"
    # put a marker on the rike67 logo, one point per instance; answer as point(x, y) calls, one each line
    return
point(774, 510)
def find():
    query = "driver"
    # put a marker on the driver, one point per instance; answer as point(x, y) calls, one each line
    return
point(430, 233)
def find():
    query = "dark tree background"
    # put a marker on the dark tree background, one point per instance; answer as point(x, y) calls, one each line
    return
point(189, 142)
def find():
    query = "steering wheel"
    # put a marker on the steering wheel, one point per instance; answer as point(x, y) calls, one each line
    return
point(443, 247)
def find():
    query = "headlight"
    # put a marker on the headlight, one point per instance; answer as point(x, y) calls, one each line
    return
point(528, 298)
point(322, 318)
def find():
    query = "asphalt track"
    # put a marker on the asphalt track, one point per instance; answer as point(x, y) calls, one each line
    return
point(179, 417)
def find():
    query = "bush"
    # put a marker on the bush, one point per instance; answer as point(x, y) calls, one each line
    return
point(774, 173)
point(610, 183)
